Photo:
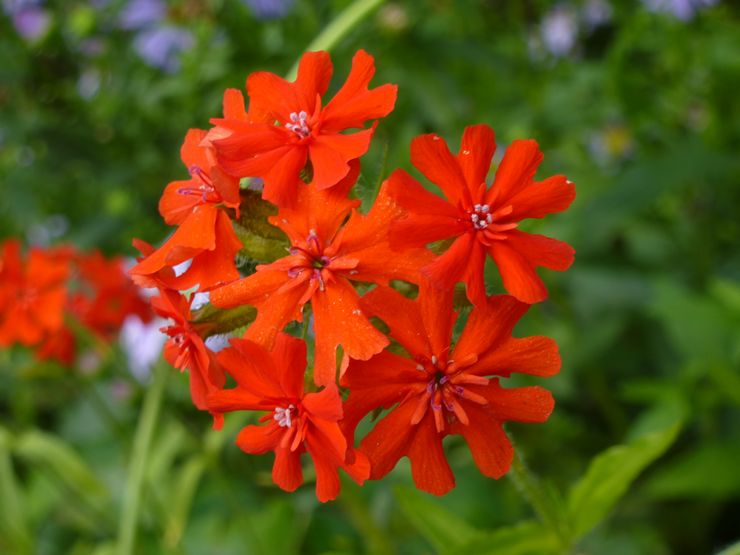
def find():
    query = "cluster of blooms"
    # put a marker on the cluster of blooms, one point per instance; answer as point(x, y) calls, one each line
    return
point(43, 293)
point(337, 276)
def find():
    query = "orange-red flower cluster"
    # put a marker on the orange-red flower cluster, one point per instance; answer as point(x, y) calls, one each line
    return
point(340, 276)
point(41, 292)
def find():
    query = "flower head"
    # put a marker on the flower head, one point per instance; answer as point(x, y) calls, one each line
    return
point(289, 125)
point(295, 421)
point(440, 390)
point(324, 259)
point(186, 350)
point(205, 233)
point(483, 220)
point(32, 293)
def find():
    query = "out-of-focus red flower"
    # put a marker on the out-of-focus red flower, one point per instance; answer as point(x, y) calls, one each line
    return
point(325, 257)
point(105, 295)
point(32, 293)
point(297, 422)
point(287, 125)
point(205, 233)
point(482, 219)
point(441, 390)
point(186, 350)
point(59, 346)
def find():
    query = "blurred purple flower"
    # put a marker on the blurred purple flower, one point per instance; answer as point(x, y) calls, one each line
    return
point(269, 9)
point(158, 42)
point(559, 29)
point(682, 9)
point(29, 19)
point(161, 46)
point(596, 13)
point(139, 14)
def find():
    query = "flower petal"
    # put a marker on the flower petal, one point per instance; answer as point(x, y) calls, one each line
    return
point(520, 404)
point(452, 265)
point(314, 74)
point(491, 449)
point(489, 325)
point(257, 440)
point(476, 152)
point(429, 467)
point(516, 171)
point(550, 196)
point(338, 320)
point(354, 103)
point(432, 157)
point(331, 153)
point(537, 356)
point(517, 257)
point(403, 317)
point(287, 472)
point(388, 441)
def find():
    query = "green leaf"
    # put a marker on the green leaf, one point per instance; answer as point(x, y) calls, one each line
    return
point(733, 549)
point(522, 539)
point(612, 471)
point(444, 530)
point(707, 471)
point(51, 452)
point(14, 536)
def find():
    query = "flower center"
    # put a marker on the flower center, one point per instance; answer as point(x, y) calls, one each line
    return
point(298, 124)
point(283, 416)
point(481, 216)
point(445, 390)
point(312, 258)
point(202, 186)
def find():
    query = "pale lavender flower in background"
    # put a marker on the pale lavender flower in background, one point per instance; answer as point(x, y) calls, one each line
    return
point(157, 42)
point(143, 344)
point(30, 20)
point(88, 83)
point(269, 9)
point(139, 14)
point(161, 46)
point(559, 30)
point(681, 9)
point(596, 13)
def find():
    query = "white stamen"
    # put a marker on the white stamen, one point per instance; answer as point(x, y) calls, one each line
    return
point(481, 216)
point(434, 359)
point(282, 416)
point(299, 126)
point(420, 368)
point(466, 152)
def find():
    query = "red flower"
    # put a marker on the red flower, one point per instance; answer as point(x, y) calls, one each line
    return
point(205, 233)
point(438, 392)
point(483, 220)
point(106, 295)
point(32, 293)
point(324, 258)
point(186, 350)
point(287, 125)
point(296, 421)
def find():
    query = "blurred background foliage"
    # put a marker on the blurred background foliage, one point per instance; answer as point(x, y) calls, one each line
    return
point(637, 102)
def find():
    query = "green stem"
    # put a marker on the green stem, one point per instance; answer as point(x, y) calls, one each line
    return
point(542, 503)
point(12, 517)
point(337, 29)
point(139, 457)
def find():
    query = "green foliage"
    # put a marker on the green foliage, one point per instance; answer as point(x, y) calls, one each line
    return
point(610, 473)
